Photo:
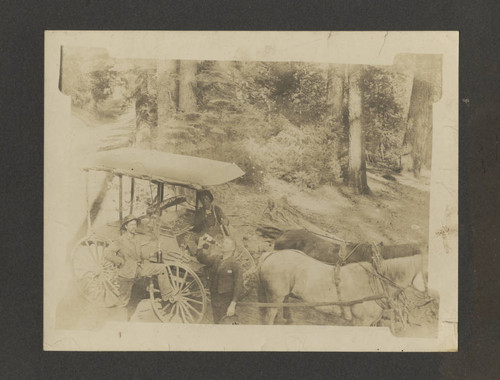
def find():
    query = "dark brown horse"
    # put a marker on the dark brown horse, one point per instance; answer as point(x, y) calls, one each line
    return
point(332, 253)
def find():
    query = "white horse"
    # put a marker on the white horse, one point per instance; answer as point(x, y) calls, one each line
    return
point(293, 273)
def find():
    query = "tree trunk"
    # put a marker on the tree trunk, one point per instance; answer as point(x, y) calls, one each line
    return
point(143, 130)
point(418, 135)
point(356, 175)
point(167, 102)
point(427, 83)
point(335, 93)
point(187, 85)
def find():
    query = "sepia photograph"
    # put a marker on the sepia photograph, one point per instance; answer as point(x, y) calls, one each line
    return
point(283, 191)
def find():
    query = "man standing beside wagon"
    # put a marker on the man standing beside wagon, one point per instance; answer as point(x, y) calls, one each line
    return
point(225, 276)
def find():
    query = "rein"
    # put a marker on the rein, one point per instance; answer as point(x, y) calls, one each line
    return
point(343, 259)
point(311, 304)
point(331, 237)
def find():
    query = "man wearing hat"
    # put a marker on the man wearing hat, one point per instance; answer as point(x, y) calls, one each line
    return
point(133, 263)
point(225, 275)
point(209, 218)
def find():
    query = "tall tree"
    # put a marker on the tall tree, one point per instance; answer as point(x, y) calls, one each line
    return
point(187, 86)
point(335, 93)
point(417, 144)
point(146, 107)
point(356, 174)
point(167, 100)
point(419, 127)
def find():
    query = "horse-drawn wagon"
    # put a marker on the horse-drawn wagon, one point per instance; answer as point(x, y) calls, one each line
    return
point(165, 224)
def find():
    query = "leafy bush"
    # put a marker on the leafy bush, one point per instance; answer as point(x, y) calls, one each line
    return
point(242, 156)
point(306, 157)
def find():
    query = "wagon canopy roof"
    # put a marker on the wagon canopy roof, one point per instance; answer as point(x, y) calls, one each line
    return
point(176, 169)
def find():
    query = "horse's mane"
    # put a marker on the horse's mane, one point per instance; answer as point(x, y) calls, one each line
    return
point(402, 250)
point(363, 251)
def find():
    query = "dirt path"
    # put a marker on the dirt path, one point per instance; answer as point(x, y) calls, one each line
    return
point(392, 213)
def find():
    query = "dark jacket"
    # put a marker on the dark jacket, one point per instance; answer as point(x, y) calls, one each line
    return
point(205, 220)
point(226, 276)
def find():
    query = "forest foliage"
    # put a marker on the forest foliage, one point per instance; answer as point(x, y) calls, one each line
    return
point(270, 118)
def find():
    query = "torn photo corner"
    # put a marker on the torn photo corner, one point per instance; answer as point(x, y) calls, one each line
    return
point(251, 191)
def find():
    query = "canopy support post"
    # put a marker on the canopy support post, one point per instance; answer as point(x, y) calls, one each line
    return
point(159, 196)
point(132, 183)
point(89, 224)
point(120, 199)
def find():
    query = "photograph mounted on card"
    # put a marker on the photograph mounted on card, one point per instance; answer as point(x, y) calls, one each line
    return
point(251, 191)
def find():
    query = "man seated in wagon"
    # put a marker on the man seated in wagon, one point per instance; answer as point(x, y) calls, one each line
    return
point(209, 218)
point(134, 262)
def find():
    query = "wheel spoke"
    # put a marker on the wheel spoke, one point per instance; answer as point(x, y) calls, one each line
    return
point(93, 250)
point(100, 252)
point(87, 285)
point(89, 248)
point(172, 278)
point(174, 312)
point(164, 309)
point(195, 293)
point(96, 253)
point(186, 288)
point(112, 287)
point(183, 280)
point(187, 313)
point(84, 275)
point(193, 308)
point(182, 313)
point(169, 314)
point(192, 300)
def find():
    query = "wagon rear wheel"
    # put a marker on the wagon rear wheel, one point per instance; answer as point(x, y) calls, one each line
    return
point(95, 277)
point(187, 302)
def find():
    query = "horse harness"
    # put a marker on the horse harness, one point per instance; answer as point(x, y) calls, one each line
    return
point(384, 300)
point(378, 282)
point(336, 277)
point(399, 303)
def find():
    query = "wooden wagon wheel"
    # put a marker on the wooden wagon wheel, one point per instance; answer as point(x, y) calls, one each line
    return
point(95, 277)
point(188, 301)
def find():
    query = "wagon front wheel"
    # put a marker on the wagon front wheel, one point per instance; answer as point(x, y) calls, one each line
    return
point(187, 302)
